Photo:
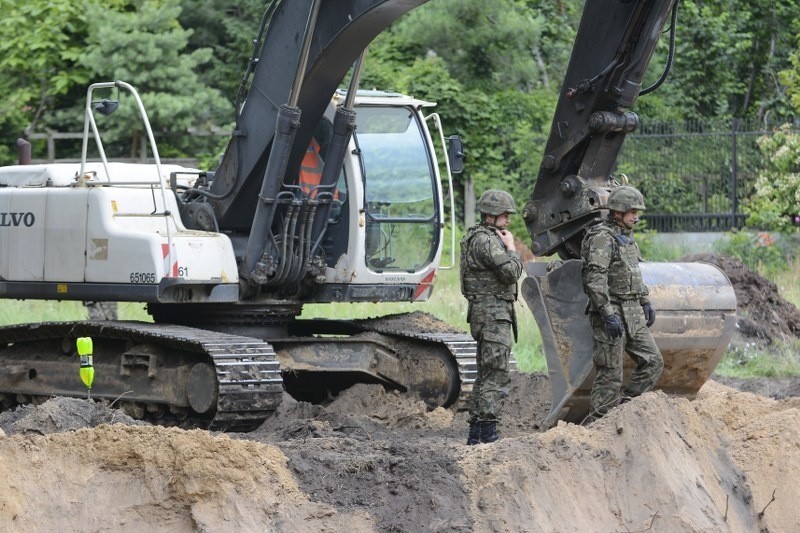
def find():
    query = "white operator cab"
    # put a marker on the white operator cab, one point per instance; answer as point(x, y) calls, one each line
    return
point(394, 212)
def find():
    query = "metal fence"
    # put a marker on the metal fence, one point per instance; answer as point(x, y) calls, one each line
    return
point(695, 176)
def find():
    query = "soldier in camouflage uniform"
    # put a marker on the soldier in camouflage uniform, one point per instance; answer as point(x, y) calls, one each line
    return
point(490, 267)
point(619, 308)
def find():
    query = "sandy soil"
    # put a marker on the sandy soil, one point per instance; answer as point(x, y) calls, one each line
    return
point(379, 461)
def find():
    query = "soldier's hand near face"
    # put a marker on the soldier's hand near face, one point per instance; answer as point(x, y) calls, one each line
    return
point(507, 238)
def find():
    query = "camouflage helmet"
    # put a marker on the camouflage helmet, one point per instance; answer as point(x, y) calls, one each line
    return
point(624, 198)
point(494, 202)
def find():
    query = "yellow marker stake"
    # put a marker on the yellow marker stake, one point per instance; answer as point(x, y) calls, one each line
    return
point(87, 368)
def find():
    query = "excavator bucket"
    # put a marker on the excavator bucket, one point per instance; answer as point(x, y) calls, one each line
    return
point(695, 305)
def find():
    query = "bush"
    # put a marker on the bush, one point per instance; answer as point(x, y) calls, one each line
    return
point(763, 252)
point(776, 201)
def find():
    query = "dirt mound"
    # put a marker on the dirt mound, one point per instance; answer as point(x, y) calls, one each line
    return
point(62, 414)
point(763, 312)
point(378, 461)
point(419, 321)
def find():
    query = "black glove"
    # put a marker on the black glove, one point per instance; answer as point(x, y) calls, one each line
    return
point(649, 314)
point(614, 327)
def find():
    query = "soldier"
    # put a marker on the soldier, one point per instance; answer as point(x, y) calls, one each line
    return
point(490, 267)
point(619, 308)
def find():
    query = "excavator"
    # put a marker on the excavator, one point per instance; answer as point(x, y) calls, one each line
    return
point(323, 194)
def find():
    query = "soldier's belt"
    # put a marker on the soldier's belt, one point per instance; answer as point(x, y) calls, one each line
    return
point(624, 299)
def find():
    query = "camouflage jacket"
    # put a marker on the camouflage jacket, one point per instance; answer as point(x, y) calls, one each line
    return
point(610, 269)
point(489, 272)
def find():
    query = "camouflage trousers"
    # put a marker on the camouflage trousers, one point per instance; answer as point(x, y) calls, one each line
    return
point(491, 386)
point(608, 363)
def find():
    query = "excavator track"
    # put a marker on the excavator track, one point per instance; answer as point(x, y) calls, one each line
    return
point(413, 352)
point(461, 345)
point(169, 374)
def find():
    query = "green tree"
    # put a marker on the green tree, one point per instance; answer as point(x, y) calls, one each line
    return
point(42, 41)
point(228, 29)
point(144, 45)
point(489, 45)
point(727, 59)
point(777, 190)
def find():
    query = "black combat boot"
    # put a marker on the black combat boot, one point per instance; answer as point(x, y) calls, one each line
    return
point(489, 431)
point(474, 435)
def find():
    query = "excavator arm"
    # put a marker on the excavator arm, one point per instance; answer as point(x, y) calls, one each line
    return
point(612, 49)
point(696, 302)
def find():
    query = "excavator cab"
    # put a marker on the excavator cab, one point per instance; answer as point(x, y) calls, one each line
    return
point(386, 232)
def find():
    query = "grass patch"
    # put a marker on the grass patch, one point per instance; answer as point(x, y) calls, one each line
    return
point(782, 359)
point(24, 311)
point(749, 361)
point(787, 282)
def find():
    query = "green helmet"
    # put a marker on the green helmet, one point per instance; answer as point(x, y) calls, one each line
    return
point(494, 202)
point(624, 198)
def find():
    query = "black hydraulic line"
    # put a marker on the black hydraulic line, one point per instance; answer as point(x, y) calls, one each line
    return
point(298, 265)
point(670, 55)
point(288, 122)
point(288, 240)
point(291, 253)
point(307, 242)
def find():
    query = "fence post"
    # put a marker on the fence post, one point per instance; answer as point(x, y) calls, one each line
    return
point(51, 146)
point(143, 148)
point(734, 172)
point(469, 203)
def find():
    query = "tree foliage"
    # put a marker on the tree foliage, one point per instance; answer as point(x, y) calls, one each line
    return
point(776, 202)
point(42, 39)
point(727, 61)
point(144, 45)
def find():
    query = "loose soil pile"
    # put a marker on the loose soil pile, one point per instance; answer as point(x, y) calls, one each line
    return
point(373, 460)
point(763, 313)
point(377, 461)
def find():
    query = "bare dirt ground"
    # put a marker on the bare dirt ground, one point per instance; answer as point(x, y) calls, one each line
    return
point(379, 461)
